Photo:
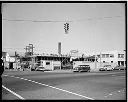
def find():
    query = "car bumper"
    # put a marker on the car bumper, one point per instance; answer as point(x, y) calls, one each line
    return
point(39, 70)
point(109, 69)
point(102, 70)
point(75, 70)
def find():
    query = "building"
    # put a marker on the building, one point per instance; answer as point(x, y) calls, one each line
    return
point(112, 57)
point(50, 64)
point(10, 61)
point(6, 59)
point(52, 61)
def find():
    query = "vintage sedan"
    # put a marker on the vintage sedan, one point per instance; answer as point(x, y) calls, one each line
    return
point(108, 67)
point(119, 68)
point(102, 69)
point(82, 68)
point(40, 68)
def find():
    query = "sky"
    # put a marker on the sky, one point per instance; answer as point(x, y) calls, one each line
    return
point(93, 27)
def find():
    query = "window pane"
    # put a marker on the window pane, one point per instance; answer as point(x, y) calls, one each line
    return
point(107, 55)
point(103, 55)
point(112, 55)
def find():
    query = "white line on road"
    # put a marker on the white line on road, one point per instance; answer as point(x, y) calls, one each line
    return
point(53, 87)
point(113, 75)
point(110, 94)
point(13, 92)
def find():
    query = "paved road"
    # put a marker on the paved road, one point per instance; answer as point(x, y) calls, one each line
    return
point(64, 85)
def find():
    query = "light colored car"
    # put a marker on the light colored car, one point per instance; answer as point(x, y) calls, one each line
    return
point(40, 68)
point(108, 67)
point(102, 69)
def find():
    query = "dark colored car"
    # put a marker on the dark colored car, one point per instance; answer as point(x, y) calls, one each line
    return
point(82, 68)
point(119, 68)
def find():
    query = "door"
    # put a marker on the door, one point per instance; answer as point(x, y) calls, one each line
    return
point(10, 65)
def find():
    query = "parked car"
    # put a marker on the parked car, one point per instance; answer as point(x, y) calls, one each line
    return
point(82, 68)
point(108, 67)
point(40, 68)
point(119, 68)
point(33, 68)
point(102, 69)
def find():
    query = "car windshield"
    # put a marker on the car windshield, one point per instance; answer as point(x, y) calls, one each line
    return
point(40, 66)
point(83, 65)
point(107, 66)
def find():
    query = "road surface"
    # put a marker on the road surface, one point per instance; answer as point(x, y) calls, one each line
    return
point(27, 85)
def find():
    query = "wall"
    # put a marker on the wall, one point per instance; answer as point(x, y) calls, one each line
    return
point(51, 64)
point(12, 59)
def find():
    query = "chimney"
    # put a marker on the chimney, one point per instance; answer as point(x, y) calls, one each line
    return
point(59, 48)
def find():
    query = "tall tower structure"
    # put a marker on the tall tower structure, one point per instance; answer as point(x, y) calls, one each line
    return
point(59, 48)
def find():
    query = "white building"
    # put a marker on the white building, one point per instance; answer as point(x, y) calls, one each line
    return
point(9, 61)
point(50, 64)
point(112, 57)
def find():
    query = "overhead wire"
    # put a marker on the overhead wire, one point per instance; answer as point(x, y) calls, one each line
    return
point(78, 20)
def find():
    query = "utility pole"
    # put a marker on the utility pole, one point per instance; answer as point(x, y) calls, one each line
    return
point(16, 59)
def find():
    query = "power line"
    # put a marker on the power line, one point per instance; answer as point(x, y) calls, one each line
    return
point(12, 48)
point(98, 18)
point(35, 20)
point(54, 21)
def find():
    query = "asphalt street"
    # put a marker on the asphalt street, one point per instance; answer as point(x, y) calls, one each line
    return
point(63, 85)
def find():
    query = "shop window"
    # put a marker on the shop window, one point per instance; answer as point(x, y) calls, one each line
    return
point(120, 55)
point(107, 55)
point(111, 55)
point(103, 55)
point(47, 63)
point(98, 56)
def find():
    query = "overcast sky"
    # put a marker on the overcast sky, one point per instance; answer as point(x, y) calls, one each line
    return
point(94, 27)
